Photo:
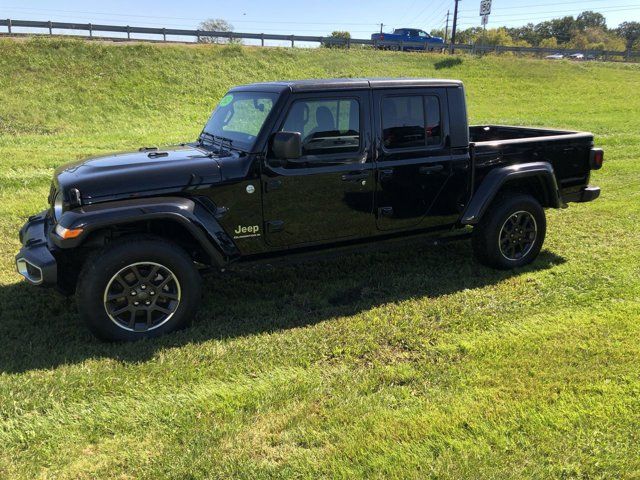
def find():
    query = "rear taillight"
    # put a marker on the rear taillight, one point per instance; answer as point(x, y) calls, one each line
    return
point(597, 158)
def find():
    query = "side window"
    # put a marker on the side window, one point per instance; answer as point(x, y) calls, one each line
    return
point(328, 126)
point(411, 121)
point(434, 124)
point(403, 122)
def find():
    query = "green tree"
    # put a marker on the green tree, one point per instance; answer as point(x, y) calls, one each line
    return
point(630, 31)
point(591, 19)
point(549, 43)
point(526, 33)
point(342, 38)
point(560, 28)
point(596, 39)
point(217, 25)
point(438, 32)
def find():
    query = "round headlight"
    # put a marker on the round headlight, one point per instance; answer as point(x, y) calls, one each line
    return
point(58, 206)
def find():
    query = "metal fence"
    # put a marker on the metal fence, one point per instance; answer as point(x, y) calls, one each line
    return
point(199, 35)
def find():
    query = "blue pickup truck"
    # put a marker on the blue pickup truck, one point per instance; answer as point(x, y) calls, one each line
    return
point(407, 39)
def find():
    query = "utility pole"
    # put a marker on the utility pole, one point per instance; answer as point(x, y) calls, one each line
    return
point(446, 29)
point(455, 26)
point(381, 25)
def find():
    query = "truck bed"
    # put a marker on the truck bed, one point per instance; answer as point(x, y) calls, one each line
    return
point(569, 152)
point(500, 133)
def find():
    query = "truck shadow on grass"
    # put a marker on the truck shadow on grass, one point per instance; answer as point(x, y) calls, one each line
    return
point(41, 329)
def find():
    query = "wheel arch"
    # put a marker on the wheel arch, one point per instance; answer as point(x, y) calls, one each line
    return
point(184, 221)
point(536, 179)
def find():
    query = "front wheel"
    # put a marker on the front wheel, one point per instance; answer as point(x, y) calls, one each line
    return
point(511, 233)
point(138, 288)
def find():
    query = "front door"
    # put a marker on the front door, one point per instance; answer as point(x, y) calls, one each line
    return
point(327, 194)
point(414, 158)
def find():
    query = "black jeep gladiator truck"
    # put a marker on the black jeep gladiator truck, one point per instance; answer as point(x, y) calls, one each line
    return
point(288, 169)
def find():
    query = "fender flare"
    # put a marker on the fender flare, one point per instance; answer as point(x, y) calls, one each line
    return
point(190, 214)
point(499, 177)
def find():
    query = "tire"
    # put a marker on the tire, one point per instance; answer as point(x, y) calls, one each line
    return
point(138, 287)
point(511, 232)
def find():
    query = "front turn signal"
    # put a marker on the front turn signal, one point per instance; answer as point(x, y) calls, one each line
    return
point(68, 233)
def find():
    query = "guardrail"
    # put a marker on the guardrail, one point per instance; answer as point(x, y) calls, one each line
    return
point(198, 35)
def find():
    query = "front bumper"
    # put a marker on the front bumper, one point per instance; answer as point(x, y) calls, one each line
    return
point(35, 262)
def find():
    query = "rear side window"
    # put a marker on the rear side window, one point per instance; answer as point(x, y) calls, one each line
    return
point(328, 126)
point(411, 121)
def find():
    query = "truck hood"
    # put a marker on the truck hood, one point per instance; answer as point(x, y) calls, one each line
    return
point(141, 173)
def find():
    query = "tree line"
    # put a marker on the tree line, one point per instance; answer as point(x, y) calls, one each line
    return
point(587, 31)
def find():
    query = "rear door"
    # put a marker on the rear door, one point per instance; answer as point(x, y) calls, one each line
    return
point(327, 195)
point(414, 159)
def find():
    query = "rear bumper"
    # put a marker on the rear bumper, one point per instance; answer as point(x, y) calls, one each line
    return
point(586, 194)
point(35, 262)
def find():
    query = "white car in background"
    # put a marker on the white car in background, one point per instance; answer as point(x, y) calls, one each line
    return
point(577, 56)
point(555, 56)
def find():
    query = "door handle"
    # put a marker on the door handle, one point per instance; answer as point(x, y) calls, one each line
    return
point(431, 169)
point(355, 177)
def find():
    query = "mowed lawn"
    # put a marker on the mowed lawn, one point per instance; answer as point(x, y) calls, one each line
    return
point(412, 364)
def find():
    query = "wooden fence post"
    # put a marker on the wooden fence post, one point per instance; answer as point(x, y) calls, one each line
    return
point(50, 28)
point(9, 24)
point(90, 31)
point(262, 39)
point(292, 41)
point(164, 34)
point(128, 32)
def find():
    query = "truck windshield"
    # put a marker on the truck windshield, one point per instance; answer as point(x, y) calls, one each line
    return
point(238, 118)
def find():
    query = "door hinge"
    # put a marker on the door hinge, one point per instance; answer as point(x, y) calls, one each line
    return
point(275, 226)
point(385, 211)
point(386, 174)
point(273, 185)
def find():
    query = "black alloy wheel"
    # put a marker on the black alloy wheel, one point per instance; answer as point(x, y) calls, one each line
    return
point(142, 296)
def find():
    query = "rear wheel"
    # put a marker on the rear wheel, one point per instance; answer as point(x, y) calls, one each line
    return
point(138, 288)
point(511, 233)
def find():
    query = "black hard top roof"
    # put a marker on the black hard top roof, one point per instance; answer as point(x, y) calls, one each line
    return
point(349, 84)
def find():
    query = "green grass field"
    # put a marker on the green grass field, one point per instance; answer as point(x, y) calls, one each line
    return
point(396, 365)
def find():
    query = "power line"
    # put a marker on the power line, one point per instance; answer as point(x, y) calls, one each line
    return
point(440, 7)
point(612, 8)
point(532, 20)
point(440, 12)
point(408, 12)
point(554, 4)
point(292, 22)
point(419, 18)
point(190, 27)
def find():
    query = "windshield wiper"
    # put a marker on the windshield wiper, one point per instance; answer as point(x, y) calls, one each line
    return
point(204, 135)
point(224, 140)
point(217, 139)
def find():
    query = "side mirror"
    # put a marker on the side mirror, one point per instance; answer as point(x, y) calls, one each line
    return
point(287, 145)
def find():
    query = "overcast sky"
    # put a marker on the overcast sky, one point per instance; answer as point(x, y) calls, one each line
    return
point(360, 17)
